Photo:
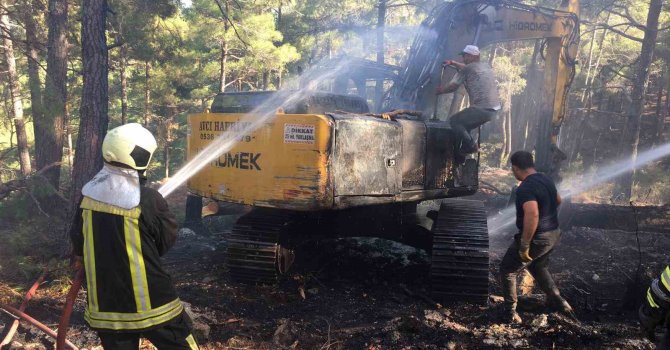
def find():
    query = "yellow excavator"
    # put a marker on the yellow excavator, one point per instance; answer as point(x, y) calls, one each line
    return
point(324, 167)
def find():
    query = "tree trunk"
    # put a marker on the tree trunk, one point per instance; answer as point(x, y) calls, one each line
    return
point(169, 124)
point(224, 59)
point(631, 135)
point(522, 104)
point(124, 82)
point(665, 112)
point(329, 47)
point(49, 131)
point(279, 79)
point(15, 94)
point(580, 119)
point(507, 127)
point(166, 152)
point(589, 84)
point(32, 18)
point(7, 106)
point(94, 98)
point(661, 110)
point(487, 129)
point(147, 93)
point(505, 141)
point(70, 149)
point(381, 22)
point(224, 52)
point(534, 92)
point(589, 64)
point(266, 77)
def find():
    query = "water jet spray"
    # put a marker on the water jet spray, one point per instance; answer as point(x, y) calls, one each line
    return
point(576, 184)
point(251, 121)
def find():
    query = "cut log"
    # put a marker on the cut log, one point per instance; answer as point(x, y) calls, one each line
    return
point(616, 217)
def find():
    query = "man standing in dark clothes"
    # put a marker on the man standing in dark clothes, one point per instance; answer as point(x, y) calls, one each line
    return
point(537, 202)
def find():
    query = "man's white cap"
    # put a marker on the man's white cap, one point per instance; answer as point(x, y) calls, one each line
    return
point(471, 49)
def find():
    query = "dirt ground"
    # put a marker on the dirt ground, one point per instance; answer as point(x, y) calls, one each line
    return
point(374, 294)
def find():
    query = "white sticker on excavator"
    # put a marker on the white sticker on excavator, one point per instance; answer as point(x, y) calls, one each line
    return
point(299, 133)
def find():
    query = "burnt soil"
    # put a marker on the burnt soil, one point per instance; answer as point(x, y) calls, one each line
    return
point(374, 294)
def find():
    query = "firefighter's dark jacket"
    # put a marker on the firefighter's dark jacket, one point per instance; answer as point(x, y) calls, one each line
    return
point(657, 305)
point(128, 290)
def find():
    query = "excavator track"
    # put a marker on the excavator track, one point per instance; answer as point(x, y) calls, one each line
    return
point(254, 254)
point(460, 255)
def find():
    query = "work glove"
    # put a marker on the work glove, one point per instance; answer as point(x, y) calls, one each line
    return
point(650, 318)
point(524, 251)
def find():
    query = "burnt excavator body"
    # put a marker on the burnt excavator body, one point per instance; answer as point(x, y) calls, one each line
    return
point(322, 166)
point(308, 174)
point(312, 160)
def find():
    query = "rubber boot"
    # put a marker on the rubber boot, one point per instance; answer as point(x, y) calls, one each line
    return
point(513, 317)
point(561, 305)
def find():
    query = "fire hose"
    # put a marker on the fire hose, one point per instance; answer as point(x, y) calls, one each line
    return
point(36, 323)
point(60, 336)
point(24, 304)
point(67, 309)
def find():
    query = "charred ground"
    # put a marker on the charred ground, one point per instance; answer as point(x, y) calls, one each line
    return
point(373, 294)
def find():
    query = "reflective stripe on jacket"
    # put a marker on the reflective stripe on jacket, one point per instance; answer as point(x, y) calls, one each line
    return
point(658, 294)
point(127, 287)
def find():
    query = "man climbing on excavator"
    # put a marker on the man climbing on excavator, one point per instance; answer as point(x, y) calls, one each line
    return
point(480, 84)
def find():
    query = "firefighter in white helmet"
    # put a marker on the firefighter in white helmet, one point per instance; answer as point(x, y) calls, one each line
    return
point(121, 230)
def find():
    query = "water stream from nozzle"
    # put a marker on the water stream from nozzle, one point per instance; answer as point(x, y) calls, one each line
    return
point(578, 184)
point(266, 111)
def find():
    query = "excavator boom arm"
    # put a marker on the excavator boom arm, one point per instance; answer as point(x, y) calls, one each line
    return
point(451, 26)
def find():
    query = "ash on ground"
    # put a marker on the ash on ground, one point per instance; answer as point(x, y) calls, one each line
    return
point(363, 293)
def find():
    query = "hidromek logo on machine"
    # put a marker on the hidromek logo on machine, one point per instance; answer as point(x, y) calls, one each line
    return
point(239, 160)
point(530, 26)
point(521, 26)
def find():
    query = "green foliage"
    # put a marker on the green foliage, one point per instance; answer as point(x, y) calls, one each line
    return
point(508, 76)
point(136, 24)
point(31, 238)
point(652, 184)
point(266, 44)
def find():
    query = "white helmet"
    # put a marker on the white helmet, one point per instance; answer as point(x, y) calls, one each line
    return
point(129, 144)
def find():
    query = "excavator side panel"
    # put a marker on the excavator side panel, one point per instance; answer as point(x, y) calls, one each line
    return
point(366, 157)
point(413, 154)
point(283, 163)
